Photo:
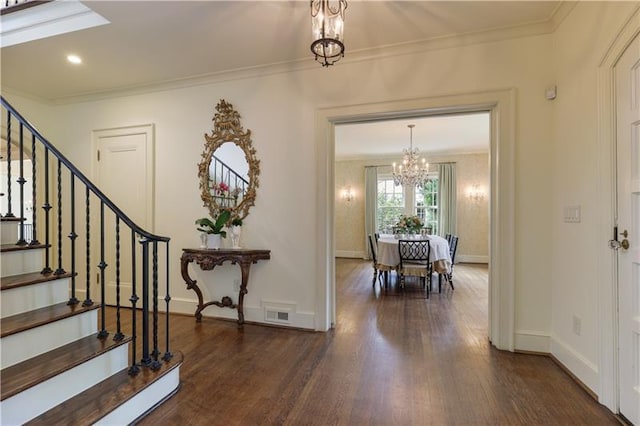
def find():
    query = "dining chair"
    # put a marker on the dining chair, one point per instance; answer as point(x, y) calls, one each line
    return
point(453, 248)
point(414, 261)
point(378, 270)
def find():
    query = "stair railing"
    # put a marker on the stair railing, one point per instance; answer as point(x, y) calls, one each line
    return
point(68, 207)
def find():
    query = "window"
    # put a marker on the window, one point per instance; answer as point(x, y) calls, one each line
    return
point(426, 206)
point(390, 205)
point(394, 202)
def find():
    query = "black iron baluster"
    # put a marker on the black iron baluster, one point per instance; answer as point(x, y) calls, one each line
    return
point(72, 236)
point(10, 211)
point(60, 270)
point(102, 265)
point(134, 369)
point(146, 360)
point(34, 216)
point(47, 220)
point(87, 300)
point(21, 181)
point(167, 355)
point(155, 364)
point(118, 336)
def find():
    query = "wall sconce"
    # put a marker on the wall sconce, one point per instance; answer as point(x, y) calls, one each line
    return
point(347, 194)
point(475, 193)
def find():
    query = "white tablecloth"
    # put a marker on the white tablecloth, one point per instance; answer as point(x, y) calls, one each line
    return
point(388, 252)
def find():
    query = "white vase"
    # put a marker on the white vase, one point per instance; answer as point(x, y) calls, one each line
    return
point(214, 241)
point(236, 231)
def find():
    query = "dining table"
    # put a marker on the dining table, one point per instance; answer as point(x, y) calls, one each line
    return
point(439, 255)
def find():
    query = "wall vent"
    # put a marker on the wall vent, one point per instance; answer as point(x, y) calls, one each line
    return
point(277, 316)
point(278, 312)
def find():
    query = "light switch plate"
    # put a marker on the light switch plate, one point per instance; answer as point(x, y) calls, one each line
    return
point(572, 214)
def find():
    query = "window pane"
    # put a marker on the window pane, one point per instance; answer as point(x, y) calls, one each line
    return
point(427, 204)
point(390, 204)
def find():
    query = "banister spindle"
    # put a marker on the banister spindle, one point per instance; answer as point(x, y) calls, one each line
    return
point(87, 300)
point(155, 364)
point(34, 216)
point(47, 218)
point(102, 265)
point(21, 181)
point(167, 355)
point(73, 236)
point(10, 210)
point(118, 336)
point(146, 360)
point(134, 369)
point(60, 270)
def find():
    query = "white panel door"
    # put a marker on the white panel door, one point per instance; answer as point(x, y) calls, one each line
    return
point(627, 75)
point(123, 171)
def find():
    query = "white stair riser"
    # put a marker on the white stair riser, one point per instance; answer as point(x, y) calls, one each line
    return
point(27, 344)
point(34, 296)
point(143, 401)
point(9, 232)
point(21, 262)
point(44, 396)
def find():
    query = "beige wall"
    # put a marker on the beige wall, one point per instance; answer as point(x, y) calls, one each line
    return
point(472, 222)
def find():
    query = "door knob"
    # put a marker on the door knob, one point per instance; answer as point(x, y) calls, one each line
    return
point(624, 244)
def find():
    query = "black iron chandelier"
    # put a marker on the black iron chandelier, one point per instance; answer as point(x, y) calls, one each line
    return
point(327, 26)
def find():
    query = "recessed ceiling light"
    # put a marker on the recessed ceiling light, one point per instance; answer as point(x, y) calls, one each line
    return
point(74, 59)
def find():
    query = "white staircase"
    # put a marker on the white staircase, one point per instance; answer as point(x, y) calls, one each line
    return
point(55, 370)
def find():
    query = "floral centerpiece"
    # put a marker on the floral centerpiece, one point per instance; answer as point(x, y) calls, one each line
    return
point(409, 225)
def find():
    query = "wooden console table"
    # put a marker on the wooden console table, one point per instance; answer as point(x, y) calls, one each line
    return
point(207, 259)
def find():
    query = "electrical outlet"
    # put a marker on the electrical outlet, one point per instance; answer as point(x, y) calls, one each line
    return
point(236, 284)
point(577, 325)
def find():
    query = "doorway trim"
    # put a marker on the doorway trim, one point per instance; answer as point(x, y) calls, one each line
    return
point(501, 105)
point(608, 381)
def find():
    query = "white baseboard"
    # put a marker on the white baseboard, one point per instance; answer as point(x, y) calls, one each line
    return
point(532, 341)
point(470, 258)
point(583, 369)
point(304, 320)
point(352, 254)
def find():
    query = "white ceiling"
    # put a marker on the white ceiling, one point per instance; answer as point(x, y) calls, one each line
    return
point(151, 44)
point(148, 43)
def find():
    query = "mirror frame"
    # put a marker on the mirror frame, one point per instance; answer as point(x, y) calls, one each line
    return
point(227, 128)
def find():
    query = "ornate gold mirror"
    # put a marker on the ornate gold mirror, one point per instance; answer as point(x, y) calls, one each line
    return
point(229, 168)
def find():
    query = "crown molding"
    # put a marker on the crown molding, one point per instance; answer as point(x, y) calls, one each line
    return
point(530, 29)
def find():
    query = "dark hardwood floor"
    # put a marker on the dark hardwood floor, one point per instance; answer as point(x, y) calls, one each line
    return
point(394, 358)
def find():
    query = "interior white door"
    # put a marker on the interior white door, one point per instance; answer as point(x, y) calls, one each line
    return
point(627, 77)
point(123, 171)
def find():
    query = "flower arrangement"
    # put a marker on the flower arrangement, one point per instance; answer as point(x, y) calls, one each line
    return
point(409, 224)
point(220, 188)
point(210, 227)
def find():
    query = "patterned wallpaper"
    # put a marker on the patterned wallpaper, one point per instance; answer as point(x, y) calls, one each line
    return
point(472, 222)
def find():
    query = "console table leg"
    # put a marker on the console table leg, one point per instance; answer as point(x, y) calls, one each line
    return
point(244, 269)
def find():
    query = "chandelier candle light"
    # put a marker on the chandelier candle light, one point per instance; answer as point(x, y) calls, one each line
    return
point(327, 27)
point(413, 171)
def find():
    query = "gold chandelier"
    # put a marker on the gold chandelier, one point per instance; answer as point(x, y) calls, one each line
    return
point(327, 27)
point(414, 170)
